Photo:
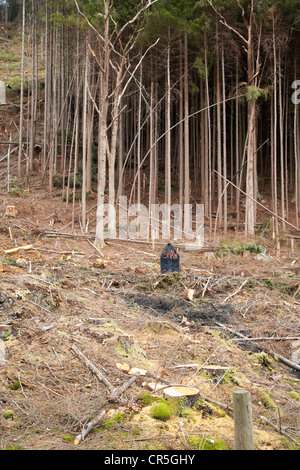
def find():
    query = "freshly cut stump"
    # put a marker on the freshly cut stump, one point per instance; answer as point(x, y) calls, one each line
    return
point(181, 397)
point(178, 391)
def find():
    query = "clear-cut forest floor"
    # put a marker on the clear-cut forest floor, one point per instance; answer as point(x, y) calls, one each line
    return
point(118, 308)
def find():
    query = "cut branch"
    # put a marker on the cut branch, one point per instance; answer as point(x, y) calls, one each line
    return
point(93, 368)
point(283, 359)
point(115, 394)
point(257, 202)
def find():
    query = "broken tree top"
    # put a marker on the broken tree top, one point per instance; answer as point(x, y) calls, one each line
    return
point(169, 260)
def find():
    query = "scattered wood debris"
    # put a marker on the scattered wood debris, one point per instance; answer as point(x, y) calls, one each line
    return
point(115, 394)
point(18, 248)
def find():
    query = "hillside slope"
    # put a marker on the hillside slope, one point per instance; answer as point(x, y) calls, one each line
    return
point(116, 307)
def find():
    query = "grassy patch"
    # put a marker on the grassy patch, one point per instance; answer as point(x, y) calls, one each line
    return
point(203, 443)
point(237, 247)
point(9, 58)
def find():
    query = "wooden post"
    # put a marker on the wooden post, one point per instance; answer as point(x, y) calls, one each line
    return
point(243, 424)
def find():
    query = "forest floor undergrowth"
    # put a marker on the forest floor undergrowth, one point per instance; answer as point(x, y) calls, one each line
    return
point(117, 308)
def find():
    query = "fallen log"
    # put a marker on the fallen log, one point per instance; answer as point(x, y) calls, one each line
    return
point(269, 338)
point(18, 248)
point(122, 240)
point(91, 425)
point(283, 359)
point(278, 429)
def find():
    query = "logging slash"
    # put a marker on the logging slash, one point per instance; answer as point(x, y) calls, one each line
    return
point(114, 394)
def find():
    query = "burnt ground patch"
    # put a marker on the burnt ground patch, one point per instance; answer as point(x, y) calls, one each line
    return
point(204, 314)
point(157, 305)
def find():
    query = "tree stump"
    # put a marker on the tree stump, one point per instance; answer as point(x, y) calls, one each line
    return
point(180, 398)
point(126, 342)
point(11, 211)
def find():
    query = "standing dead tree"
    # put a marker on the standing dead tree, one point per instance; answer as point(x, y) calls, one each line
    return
point(116, 71)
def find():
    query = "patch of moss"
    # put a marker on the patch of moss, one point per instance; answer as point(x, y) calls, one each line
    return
point(161, 411)
point(263, 359)
point(8, 260)
point(177, 405)
point(168, 280)
point(68, 438)
point(295, 396)
point(8, 414)
point(13, 448)
point(15, 385)
point(254, 282)
point(9, 58)
point(203, 443)
point(232, 378)
point(267, 400)
point(189, 414)
point(146, 399)
point(288, 444)
point(270, 284)
point(118, 418)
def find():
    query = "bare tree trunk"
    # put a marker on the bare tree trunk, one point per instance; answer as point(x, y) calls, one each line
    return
point(237, 148)
point(21, 93)
point(33, 88)
point(181, 138)
point(281, 121)
point(47, 95)
point(168, 143)
point(208, 191)
point(152, 160)
point(139, 131)
point(186, 138)
point(251, 149)
point(224, 143)
point(297, 160)
point(275, 118)
point(219, 136)
point(102, 147)
point(84, 142)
